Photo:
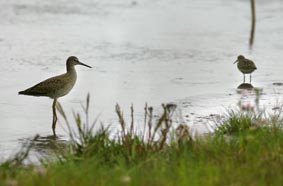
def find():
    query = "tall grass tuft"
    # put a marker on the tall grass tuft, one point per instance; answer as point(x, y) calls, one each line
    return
point(127, 144)
point(250, 117)
point(238, 154)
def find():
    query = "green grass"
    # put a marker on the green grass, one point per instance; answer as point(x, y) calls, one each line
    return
point(245, 150)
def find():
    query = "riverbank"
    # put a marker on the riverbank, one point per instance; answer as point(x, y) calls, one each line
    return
point(245, 149)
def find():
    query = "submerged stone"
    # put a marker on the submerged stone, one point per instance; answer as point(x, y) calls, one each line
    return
point(245, 86)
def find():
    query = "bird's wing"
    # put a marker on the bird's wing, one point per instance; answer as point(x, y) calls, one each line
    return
point(250, 64)
point(47, 86)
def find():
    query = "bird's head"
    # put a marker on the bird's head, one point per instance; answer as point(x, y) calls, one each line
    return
point(240, 58)
point(73, 60)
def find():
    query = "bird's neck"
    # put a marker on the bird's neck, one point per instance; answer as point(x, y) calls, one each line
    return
point(71, 69)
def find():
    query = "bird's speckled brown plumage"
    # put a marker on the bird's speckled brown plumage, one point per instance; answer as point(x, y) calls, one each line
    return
point(54, 87)
point(57, 86)
point(245, 65)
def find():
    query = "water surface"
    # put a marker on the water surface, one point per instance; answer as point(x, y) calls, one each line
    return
point(142, 51)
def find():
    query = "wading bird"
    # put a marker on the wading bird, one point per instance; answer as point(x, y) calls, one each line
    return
point(246, 66)
point(57, 86)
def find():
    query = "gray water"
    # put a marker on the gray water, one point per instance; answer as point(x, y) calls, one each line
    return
point(142, 51)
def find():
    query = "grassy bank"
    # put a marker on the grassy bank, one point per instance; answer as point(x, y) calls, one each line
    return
point(246, 149)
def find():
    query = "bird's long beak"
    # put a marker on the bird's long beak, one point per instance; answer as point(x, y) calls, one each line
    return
point(236, 61)
point(80, 63)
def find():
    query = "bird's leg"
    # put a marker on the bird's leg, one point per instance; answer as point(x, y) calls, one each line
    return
point(54, 116)
point(250, 78)
point(244, 78)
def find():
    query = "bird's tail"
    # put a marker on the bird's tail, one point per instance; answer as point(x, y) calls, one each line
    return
point(22, 92)
point(29, 92)
point(25, 92)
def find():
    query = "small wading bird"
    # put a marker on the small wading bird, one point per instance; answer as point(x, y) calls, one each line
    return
point(57, 86)
point(246, 66)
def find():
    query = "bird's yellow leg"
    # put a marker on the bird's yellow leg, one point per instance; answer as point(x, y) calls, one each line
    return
point(54, 117)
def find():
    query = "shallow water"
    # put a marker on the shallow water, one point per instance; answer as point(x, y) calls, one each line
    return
point(142, 51)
